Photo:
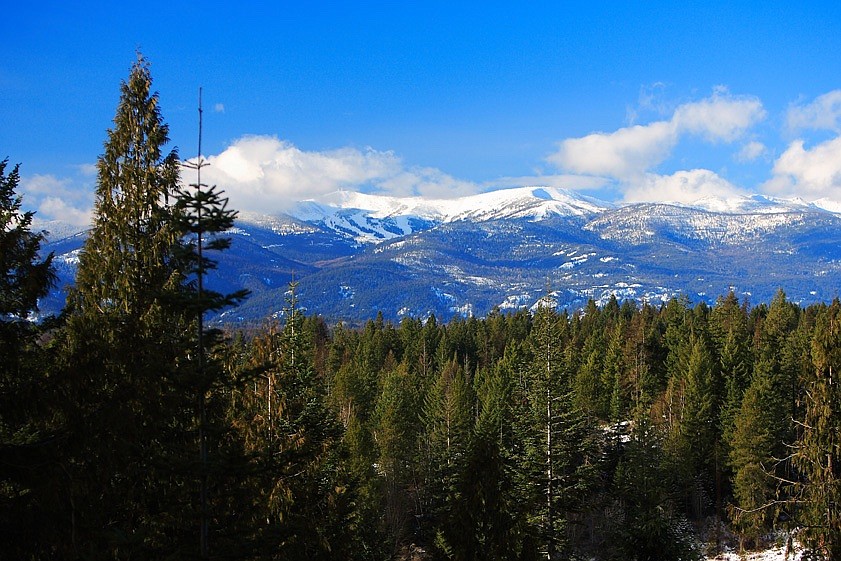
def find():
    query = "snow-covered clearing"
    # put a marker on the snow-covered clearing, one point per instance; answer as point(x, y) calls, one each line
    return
point(774, 554)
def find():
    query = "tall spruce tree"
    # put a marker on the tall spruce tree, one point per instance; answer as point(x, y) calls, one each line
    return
point(645, 526)
point(492, 517)
point(24, 278)
point(448, 419)
point(299, 482)
point(695, 434)
point(123, 403)
point(756, 444)
point(200, 212)
point(559, 445)
point(762, 427)
point(396, 431)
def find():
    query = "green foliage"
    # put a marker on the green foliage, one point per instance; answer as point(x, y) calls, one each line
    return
point(123, 401)
point(647, 526)
point(818, 450)
point(448, 421)
point(600, 434)
point(27, 435)
point(692, 442)
point(25, 277)
point(755, 445)
point(300, 471)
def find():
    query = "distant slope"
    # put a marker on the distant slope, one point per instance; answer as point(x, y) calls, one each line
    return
point(355, 254)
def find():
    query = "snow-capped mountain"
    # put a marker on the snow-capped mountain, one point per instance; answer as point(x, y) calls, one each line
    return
point(356, 254)
point(373, 219)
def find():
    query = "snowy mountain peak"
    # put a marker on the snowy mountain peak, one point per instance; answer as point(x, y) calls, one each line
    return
point(761, 204)
point(372, 218)
point(536, 203)
point(364, 218)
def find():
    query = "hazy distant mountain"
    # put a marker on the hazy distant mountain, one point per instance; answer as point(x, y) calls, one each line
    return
point(355, 254)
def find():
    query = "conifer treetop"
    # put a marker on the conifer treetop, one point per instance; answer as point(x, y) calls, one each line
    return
point(128, 256)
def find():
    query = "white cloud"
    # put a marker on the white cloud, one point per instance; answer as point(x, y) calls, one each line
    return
point(824, 113)
point(54, 208)
point(88, 170)
point(683, 187)
point(266, 174)
point(719, 118)
point(809, 173)
point(628, 153)
point(58, 199)
point(751, 151)
point(650, 99)
point(36, 185)
point(219, 108)
point(561, 181)
point(427, 182)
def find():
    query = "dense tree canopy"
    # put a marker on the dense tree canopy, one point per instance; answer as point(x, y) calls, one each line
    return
point(26, 436)
point(129, 429)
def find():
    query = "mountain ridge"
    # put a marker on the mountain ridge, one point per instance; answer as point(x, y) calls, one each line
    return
point(468, 256)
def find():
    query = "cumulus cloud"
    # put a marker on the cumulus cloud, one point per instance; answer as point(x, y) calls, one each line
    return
point(811, 173)
point(629, 152)
point(719, 118)
point(264, 173)
point(683, 187)
point(824, 113)
point(58, 199)
point(219, 108)
point(626, 152)
point(751, 151)
point(54, 208)
point(427, 182)
point(38, 184)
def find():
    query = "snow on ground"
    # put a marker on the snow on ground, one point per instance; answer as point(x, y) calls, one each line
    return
point(775, 554)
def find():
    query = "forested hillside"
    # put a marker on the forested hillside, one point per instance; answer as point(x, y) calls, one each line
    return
point(130, 430)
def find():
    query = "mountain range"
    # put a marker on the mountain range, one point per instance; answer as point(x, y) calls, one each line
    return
point(353, 255)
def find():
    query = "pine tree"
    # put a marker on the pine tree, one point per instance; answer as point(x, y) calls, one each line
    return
point(299, 481)
point(763, 427)
point(448, 420)
point(25, 277)
point(127, 261)
point(646, 527)
point(817, 454)
point(558, 437)
point(641, 357)
point(123, 399)
point(396, 422)
point(697, 430)
point(614, 375)
point(736, 364)
point(757, 444)
point(489, 519)
point(591, 396)
point(201, 215)
point(27, 439)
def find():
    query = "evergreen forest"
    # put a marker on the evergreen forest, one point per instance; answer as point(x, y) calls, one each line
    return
point(129, 429)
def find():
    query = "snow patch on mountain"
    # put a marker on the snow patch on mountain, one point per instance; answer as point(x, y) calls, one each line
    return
point(642, 222)
point(371, 219)
point(280, 225)
point(761, 204)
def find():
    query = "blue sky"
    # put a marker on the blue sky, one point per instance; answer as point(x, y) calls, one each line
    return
point(625, 101)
